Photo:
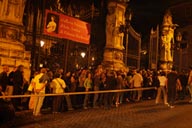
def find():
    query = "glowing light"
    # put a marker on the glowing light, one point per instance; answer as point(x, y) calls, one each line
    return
point(83, 54)
point(42, 43)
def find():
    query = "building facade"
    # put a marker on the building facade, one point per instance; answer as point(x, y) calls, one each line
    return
point(181, 12)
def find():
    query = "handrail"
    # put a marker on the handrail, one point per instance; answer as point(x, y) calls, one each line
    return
point(77, 93)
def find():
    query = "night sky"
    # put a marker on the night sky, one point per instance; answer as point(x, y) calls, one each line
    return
point(147, 14)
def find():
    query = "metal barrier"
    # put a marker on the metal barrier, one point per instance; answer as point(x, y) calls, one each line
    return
point(78, 93)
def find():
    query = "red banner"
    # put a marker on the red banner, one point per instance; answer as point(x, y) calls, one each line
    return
point(62, 26)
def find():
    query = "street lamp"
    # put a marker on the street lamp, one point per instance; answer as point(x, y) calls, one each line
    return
point(92, 58)
point(143, 59)
point(83, 54)
point(179, 40)
point(42, 43)
point(82, 61)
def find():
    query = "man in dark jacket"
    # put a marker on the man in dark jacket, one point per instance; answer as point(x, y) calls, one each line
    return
point(172, 82)
point(7, 111)
point(18, 84)
point(4, 79)
point(111, 83)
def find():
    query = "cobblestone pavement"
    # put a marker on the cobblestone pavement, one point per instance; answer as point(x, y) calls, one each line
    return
point(143, 114)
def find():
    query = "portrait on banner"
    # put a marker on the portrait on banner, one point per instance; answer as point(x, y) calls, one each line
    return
point(52, 23)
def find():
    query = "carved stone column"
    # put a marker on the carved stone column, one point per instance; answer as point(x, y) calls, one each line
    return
point(166, 42)
point(12, 49)
point(113, 54)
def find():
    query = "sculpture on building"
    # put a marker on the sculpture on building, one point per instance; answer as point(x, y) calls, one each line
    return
point(114, 38)
point(51, 26)
point(167, 41)
point(167, 38)
point(110, 25)
point(12, 10)
point(113, 54)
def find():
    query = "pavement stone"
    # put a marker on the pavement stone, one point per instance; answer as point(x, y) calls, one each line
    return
point(144, 114)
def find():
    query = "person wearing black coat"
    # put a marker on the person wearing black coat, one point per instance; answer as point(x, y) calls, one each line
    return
point(4, 79)
point(18, 85)
point(7, 111)
point(111, 83)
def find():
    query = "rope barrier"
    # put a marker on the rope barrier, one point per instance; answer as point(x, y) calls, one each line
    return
point(77, 93)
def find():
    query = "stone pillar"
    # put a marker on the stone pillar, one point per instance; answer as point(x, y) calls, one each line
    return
point(113, 54)
point(166, 42)
point(12, 49)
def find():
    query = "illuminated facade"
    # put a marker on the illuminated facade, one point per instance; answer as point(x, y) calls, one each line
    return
point(12, 36)
point(181, 50)
point(22, 24)
point(182, 15)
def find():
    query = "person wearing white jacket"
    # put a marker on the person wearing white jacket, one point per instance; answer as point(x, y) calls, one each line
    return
point(137, 82)
point(39, 89)
point(162, 88)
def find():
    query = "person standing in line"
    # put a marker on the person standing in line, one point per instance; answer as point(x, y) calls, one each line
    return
point(80, 87)
point(120, 85)
point(18, 81)
point(184, 80)
point(137, 82)
point(110, 84)
point(31, 91)
point(128, 95)
point(7, 111)
point(189, 83)
point(162, 88)
point(10, 86)
point(102, 88)
point(88, 85)
point(67, 79)
point(4, 79)
point(172, 82)
point(47, 103)
point(39, 88)
point(73, 81)
point(97, 83)
point(58, 85)
point(148, 82)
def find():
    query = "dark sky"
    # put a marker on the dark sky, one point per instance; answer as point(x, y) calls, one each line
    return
point(147, 14)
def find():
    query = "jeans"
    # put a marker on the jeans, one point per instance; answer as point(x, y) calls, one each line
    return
point(96, 96)
point(158, 97)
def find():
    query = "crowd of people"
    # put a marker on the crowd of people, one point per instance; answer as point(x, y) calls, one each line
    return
point(173, 85)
